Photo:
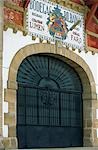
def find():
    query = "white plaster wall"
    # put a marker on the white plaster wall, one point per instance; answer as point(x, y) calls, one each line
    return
point(13, 42)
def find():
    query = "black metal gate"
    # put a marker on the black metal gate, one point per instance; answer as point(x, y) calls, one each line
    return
point(47, 114)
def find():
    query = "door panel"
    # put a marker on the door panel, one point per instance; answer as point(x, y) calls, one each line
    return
point(40, 136)
point(21, 132)
point(77, 135)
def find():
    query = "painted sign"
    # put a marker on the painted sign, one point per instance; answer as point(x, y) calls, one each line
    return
point(53, 22)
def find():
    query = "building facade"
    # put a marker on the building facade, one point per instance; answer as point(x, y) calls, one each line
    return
point(49, 91)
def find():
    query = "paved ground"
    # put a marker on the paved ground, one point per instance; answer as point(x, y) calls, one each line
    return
point(76, 148)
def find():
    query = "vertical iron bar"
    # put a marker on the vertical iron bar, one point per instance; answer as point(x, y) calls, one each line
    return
point(60, 108)
point(25, 117)
point(48, 67)
point(49, 104)
point(69, 111)
point(37, 106)
point(17, 105)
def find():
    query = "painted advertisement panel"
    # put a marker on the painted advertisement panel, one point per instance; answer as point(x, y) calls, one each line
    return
point(53, 22)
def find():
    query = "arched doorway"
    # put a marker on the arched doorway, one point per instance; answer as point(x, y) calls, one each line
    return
point(49, 104)
point(87, 80)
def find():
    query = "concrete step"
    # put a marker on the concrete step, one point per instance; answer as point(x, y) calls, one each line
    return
point(75, 148)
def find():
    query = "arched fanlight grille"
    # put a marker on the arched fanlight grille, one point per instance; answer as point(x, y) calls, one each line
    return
point(36, 68)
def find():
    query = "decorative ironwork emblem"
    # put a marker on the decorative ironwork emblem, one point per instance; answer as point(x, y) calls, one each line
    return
point(48, 99)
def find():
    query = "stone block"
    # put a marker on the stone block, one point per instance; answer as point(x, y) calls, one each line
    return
point(87, 142)
point(10, 119)
point(88, 133)
point(1, 90)
point(28, 51)
point(80, 70)
point(87, 104)
point(50, 48)
point(12, 131)
point(17, 61)
point(86, 89)
point(95, 133)
point(10, 95)
point(95, 104)
point(13, 73)
point(95, 143)
point(1, 61)
point(14, 143)
point(10, 143)
point(95, 124)
point(89, 123)
point(94, 95)
point(0, 121)
point(12, 85)
point(87, 114)
point(1, 130)
point(87, 96)
point(7, 142)
point(12, 107)
point(0, 109)
point(84, 123)
point(0, 76)
point(94, 114)
point(1, 144)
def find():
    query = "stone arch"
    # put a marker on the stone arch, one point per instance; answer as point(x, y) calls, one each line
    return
point(83, 70)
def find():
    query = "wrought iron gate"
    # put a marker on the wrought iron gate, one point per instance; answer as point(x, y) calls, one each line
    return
point(47, 115)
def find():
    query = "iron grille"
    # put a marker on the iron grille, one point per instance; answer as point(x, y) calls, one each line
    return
point(43, 106)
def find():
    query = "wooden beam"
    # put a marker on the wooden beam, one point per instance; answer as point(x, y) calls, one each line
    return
point(91, 14)
point(26, 4)
point(82, 1)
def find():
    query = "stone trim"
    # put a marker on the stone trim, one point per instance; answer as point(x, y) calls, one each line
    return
point(10, 143)
point(1, 58)
point(89, 88)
